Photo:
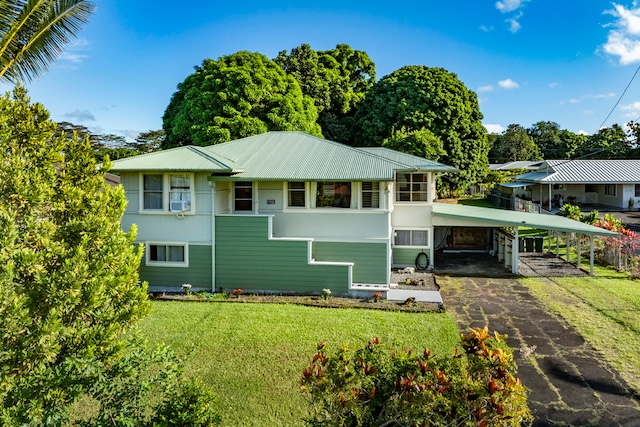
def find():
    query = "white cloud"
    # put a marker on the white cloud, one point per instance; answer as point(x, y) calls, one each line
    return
point(80, 115)
point(554, 84)
point(588, 97)
point(582, 132)
point(508, 84)
point(486, 88)
point(623, 39)
point(493, 128)
point(485, 28)
point(514, 25)
point(509, 5)
point(632, 111)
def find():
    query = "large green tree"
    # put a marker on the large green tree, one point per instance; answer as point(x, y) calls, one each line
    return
point(236, 96)
point(514, 144)
point(335, 79)
point(417, 97)
point(34, 32)
point(69, 286)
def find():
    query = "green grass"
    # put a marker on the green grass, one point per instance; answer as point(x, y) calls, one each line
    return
point(253, 354)
point(479, 202)
point(604, 309)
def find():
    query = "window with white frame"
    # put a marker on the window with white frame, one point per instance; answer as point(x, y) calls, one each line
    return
point(412, 187)
point(167, 192)
point(167, 254)
point(243, 196)
point(610, 190)
point(296, 195)
point(411, 238)
point(333, 195)
point(370, 194)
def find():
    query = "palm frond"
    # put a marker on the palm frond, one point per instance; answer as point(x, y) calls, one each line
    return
point(39, 34)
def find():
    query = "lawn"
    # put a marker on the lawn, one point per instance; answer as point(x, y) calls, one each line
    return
point(604, 309)
point(253, 354)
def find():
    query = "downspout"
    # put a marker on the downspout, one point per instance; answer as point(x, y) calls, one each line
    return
point(213, 236)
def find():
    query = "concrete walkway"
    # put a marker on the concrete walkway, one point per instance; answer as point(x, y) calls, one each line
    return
point(570, 384)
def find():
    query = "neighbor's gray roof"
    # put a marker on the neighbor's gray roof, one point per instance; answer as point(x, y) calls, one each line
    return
point(585, 172)
point(443, 213)
point(291, 156)
point(520, 164)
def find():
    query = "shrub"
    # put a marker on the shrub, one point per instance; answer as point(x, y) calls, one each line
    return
point(570, 211)
point(376, 385)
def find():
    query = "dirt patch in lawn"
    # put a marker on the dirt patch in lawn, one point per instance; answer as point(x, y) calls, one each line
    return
point(313, 301)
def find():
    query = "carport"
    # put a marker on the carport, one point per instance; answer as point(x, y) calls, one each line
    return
point(453, 215)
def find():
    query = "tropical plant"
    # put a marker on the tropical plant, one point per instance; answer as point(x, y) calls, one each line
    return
point(379, 386)
point(34, 33)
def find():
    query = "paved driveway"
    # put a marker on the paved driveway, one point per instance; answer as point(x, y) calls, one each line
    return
point(569, 382)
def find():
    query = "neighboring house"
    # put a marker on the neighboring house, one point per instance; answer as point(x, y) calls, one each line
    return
point(289, 212)
point(600, 183)
point(281, 211)
point(530, 165)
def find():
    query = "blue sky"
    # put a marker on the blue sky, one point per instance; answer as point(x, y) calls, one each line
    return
point(566, 61)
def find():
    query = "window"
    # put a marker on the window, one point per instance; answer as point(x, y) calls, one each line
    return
point(370, 195)
point(333, 195)
point(610, 190)
point(243, 196)
point(637, 190)
point(411, 187)
point(171, 254)
point(296, 195)
point(180, 193)
point(167, 192)
point(411, 238)
point(153, 192)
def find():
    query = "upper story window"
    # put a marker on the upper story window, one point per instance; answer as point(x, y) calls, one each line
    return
point(243, 196)
point(167, 192)
point(370, 194)
point(412, 187)
point(333, 194)
point(296, 195)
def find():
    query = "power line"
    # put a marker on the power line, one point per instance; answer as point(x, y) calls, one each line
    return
point(618, 101)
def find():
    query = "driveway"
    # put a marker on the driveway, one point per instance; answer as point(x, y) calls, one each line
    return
point(569, 383)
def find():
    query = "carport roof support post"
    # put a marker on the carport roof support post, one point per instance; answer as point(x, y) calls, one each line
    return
point(591, 255)
point(514, 252)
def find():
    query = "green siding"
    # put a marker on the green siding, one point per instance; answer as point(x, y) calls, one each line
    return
point(247, 259)
point(370, 259)
point(406, 256)
point(198, 274)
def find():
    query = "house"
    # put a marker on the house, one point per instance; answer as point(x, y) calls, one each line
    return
point(289, 212)
point(599, 183)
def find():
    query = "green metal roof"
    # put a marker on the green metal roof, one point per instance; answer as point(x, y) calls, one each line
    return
point(283, 156)
point(499, 217)
point(182, 159)
point(297, 156)
point(414, 161)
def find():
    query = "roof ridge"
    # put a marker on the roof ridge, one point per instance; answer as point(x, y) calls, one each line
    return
point(202, 151)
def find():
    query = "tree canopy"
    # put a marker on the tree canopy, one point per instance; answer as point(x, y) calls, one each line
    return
point(69, 286)
point(233, 97)
point(33, 34)
point(514, 144)
point(420, 97)
point(336, 80)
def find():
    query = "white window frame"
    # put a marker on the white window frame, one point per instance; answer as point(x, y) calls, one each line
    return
point(411, 231)
point(607, 187)
point(411, 191)
point(287, 191)
point(150, 262)
point(166, 194)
